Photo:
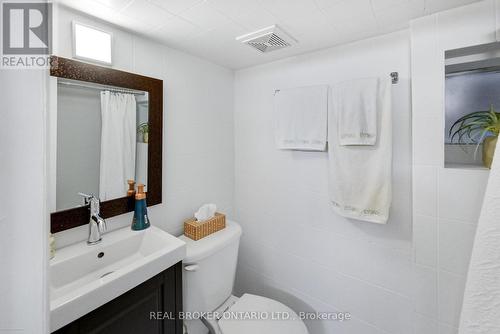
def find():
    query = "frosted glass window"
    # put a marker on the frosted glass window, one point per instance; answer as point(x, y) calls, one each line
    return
point(91, 44)
point(470, 92)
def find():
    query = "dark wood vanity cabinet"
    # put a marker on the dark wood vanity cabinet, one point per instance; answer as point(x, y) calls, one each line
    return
point(131, 313)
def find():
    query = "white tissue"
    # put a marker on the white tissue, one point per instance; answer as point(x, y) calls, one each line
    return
point(206, 211)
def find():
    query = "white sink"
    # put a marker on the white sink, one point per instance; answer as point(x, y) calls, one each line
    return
point(84, 277)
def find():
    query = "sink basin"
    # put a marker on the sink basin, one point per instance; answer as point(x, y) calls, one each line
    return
point(84, 277)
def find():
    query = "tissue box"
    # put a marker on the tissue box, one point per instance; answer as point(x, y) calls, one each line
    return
point(196, 230)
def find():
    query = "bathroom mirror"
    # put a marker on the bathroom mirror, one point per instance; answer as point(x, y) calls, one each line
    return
point(102, 141)
point(106, 130)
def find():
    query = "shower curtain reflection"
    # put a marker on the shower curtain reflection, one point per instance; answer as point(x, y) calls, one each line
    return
point(118, 144)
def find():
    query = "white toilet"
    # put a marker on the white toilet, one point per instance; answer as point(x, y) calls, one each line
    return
point(208, 277)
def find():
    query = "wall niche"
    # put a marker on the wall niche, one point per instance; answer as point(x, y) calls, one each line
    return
point(472, 90)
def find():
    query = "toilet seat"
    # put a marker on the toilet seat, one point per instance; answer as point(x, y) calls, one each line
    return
point(255, 314)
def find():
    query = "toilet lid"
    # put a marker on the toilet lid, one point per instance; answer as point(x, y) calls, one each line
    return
point(253, 314)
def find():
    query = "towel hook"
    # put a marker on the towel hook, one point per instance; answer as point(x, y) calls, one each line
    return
point(395, 77)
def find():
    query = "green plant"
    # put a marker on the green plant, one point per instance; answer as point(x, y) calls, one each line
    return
point(143, 129)
point(475, 126)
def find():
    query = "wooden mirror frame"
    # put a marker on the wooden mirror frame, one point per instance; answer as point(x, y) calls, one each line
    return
point(76, 70)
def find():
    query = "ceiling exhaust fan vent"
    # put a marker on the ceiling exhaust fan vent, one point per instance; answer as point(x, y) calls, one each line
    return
point(268, 39)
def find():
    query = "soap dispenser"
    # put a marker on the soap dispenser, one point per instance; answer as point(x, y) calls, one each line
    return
point(141, 220)
point(131, 188)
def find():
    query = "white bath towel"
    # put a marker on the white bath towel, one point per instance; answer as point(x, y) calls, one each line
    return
point(360, 176)
point(301, 118)
point(357, 111)
point(481, 303)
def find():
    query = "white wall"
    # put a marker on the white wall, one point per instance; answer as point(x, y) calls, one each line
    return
point(447, 201)
point(198, 158)
point(294, 247)
point(23, 207)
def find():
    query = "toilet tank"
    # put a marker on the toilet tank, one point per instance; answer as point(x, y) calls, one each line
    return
point(210, 268)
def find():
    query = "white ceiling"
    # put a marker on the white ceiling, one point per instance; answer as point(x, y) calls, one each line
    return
point(208, 28)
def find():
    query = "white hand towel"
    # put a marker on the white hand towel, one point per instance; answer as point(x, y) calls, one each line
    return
point(357, 108)
point(301, 118)
point(360, 176)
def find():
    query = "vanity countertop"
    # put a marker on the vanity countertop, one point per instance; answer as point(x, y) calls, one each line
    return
point(84, 277)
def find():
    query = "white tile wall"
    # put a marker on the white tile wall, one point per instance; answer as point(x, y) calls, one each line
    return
point(450, 294)
point(457, 186)
point(294, 246)
point(426, 291)
point(198, 158)
point(23, 212)
point(455, 244)
point(428, 149)
point(425, 240)
point(428, 70)
point(446, 329)
point(259, 284)
point(477, 25)
point(447, 202)
point(425, 190)
point(425, 325)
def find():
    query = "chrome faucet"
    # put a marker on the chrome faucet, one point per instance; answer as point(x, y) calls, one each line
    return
point(97, 224)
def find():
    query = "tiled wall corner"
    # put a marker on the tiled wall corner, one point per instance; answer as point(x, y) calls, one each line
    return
point(446, 202)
